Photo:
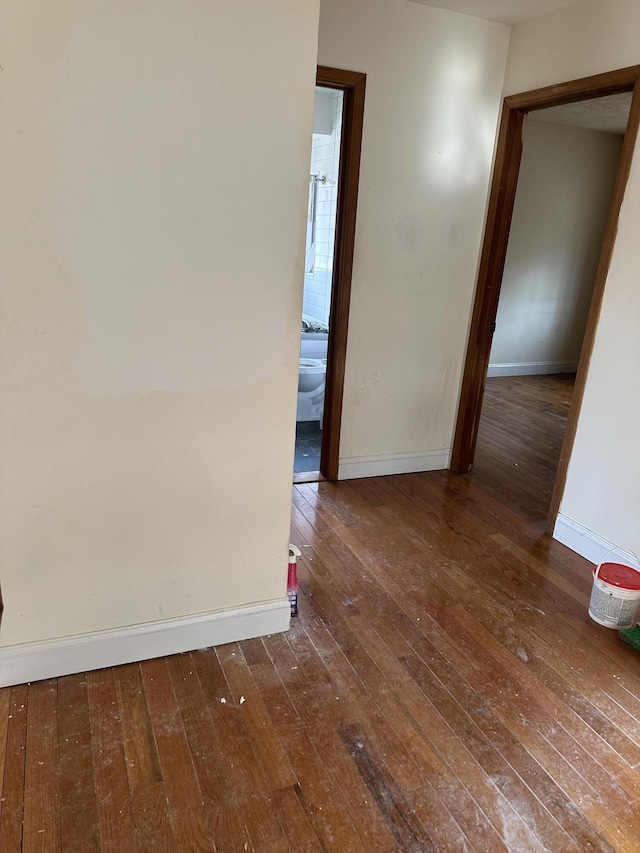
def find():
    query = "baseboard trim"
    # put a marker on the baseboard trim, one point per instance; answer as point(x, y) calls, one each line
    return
point(531, 368)
point(51, 658)
point(588, 544)
point(356, 467)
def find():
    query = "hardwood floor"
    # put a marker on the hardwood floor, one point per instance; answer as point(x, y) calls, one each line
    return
point(443, 689)
point(520, 438)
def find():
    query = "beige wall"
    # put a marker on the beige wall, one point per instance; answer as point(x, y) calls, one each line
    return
point(602, 495)
point(588, 37)
point(562, 204)
point(152, 288)
point(603, 487)
point(434, 81)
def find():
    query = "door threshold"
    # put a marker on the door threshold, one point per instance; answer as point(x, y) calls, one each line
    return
point(308, 477)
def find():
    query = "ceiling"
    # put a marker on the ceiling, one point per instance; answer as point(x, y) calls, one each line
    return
point(609, 114)
point(507, 11)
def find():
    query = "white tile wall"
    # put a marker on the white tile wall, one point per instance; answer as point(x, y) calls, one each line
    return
point(325, 158)
point(317, 294)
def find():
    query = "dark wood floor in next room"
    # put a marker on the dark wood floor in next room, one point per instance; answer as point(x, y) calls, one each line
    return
point(442, 690)
point(520, 439)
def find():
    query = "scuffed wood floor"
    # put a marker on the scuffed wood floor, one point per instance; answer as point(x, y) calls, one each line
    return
point(442, 690)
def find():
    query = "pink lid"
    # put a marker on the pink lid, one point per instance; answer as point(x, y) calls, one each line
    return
point(618, 575)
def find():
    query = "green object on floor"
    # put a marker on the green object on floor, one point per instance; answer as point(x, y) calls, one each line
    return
point(631, 636)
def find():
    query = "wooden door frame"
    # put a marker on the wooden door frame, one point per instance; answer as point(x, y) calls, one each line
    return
point(352, 84)
point(494, 250)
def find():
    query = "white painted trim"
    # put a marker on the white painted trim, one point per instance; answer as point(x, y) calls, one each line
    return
point(531, 368)
point(51, 658)
point(355, 467)
point(588, 544)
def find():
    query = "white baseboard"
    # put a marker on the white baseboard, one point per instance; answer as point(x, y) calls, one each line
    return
point(51, 658)
point(531, 368)
point(355, 467)
point(588, 544)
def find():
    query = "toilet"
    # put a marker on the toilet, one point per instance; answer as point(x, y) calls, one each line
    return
point(311, 374)
point(312, 370)
point(311, 378)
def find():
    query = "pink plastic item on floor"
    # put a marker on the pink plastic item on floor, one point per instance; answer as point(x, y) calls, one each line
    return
point(292, 579)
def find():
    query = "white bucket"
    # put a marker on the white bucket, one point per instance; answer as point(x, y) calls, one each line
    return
point(615, 595)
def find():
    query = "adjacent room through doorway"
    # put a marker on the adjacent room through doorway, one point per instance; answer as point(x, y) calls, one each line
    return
point(568, 170)
point(575, 253)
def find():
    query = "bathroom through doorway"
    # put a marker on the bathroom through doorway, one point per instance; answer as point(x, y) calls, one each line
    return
point(330, 233)
point(318, 273)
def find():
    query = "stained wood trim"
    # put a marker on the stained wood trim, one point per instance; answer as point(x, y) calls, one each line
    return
point(583, 89)
point(494, 252)
point(353, 85)
point(500, 210)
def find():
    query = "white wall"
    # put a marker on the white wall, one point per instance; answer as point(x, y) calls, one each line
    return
point(434, 81)
point(562, 203)
point(602, 495)
point(152, 291)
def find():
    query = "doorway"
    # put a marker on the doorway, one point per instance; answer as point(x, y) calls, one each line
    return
point(570, 159)
point(320, 438)
point(501, 207)
point(318, 274)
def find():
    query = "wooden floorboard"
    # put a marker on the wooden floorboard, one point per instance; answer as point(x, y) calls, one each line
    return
point(520, 438)
point(442, 689)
